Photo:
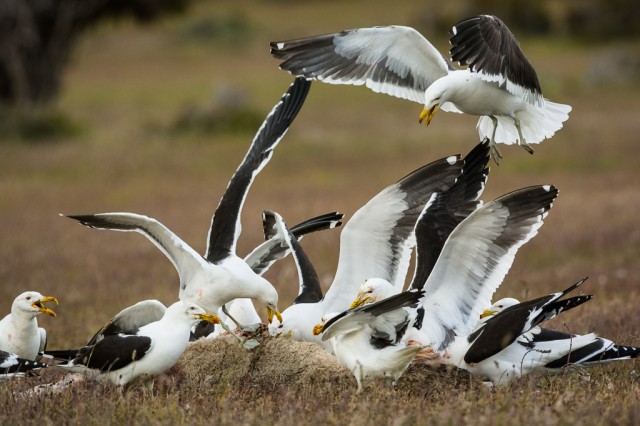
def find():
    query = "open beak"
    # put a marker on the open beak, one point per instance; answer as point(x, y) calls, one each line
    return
point(318, 329)
point(271, 312)
point(212, 318)
point(360, 300)
point(40, 305)
point(486, 313)
point(428, 113)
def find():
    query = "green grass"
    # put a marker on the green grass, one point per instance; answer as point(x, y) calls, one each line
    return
point(126, 87)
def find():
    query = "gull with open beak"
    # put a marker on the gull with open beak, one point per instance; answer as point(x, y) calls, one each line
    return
point(19, 331)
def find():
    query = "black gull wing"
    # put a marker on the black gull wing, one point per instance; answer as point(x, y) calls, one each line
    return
point(447, 210)
point(225, 224)
point(394, 60)
point(275, 248)
point(488, 47)
point(506, 326)
point(113, 352)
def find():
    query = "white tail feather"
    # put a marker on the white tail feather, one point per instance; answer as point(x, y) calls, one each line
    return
point(536, 123)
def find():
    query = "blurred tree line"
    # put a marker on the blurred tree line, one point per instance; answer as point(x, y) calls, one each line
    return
point(37, 36)
point(585, 19)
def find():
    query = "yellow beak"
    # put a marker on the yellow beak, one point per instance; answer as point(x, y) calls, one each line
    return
point(428, 113)
point(271, 312)
point(39, 305)
point(318, 329)
point(212, 318)
point(486, 313)
point(360, 300)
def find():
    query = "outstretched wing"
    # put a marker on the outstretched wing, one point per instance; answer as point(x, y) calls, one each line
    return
point(394, 60)
point(309, 290)
point(225, 224)
point(183, 257)
point(379, 238)
point(477, 256)
point(447, 210)
point(275, 246)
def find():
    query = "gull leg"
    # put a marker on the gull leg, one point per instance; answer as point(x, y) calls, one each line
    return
point(226, 328)
point(495, 152)
point(523, 142)
point(248, 343)
point(359, 374)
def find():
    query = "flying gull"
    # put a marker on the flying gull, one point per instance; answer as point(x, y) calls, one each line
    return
point(142, 353)
point(220, 275)
point(19, 331)
point(499, 84)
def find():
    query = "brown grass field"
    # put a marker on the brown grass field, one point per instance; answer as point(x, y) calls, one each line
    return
point(127, 85)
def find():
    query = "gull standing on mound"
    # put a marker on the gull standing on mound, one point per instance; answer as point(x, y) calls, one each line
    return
point(143, 353)
point(219, 276)
point(130, 318)
point(19, 331)
point(368, 339)
point(280, 241)
point(500, 85)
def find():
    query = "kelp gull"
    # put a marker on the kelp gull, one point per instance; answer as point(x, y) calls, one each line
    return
point(19, 331)
point(499, 85)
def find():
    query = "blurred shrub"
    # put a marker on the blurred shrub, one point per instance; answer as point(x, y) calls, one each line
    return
point(38, 125)
point(231, 29)
point(229, 112)
point(36, 38)
point(576, 18)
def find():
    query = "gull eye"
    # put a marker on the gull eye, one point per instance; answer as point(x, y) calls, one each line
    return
point(193, 308)
point(28, 297)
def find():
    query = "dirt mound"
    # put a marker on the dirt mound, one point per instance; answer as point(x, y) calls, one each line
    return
point(285, 364)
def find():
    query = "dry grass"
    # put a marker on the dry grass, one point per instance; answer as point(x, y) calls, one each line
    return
point(128, 85)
